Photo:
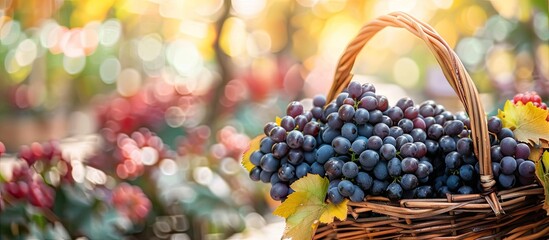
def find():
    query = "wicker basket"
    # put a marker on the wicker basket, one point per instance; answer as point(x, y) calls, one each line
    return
point(512, 214)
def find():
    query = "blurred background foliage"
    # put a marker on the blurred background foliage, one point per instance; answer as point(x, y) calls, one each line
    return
point(205, 75)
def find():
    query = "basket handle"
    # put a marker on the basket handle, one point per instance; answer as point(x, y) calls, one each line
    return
point(455, 73)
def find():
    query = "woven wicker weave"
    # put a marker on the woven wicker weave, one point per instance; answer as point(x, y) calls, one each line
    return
point(510, 214)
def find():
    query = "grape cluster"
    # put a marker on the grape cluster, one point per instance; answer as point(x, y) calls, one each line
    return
point(365, 146)
point(532, 97)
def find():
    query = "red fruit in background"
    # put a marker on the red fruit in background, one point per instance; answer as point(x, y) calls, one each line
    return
point(40, 194)
point(2, 148)
point(131, 202)
point(532, 97)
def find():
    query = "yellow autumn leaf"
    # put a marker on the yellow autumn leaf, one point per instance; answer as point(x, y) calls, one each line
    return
point(542, 172)
point(305, 208)
point(527, 122)
point(254, 145)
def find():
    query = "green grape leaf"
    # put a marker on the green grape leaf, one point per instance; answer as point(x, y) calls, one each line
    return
point(305, 208)
point(542, 173)
point(527, 121)
point(254, 145)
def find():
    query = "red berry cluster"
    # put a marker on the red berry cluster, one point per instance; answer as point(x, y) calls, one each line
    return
point(131, 202)
point(48, 154)
point(142, 148)
point(532, 97)
point(24, 184)
point(195, 141)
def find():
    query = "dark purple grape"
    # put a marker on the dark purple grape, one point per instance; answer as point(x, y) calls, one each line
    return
point(393, 167)
point(395, 113)
point(361, 116)
point(310, 157)
point(381, 130)
point(333, 168)
point(378, 187)
point(453, 160)
point(369, 103)
point(425, 191)
point(329, 134)
point(453, 127)
point(506, 132)
point(311, 128)
point(422, 170)
point(368, 87)
point(365, 130)
point(494, 125)
point(317, 112)
point(350, 170)
point(278, 134)
point(432, 147)
point(309, 143)
point(346, 188)
point(380, 170)
point(364, 180)
point(406, 124)
point(506, 181)
point(527, 169)
point(408, 181)
point(421, 149)
point(357, 196)
point(429, 121)
point(522, 151)
point(382, 103)
point(419, 123)
point(341, 145)
point(418, 135)
point(435, 131)
point(394, 191)
point(359, 145)
point(334, 196)
point(368, 159)
point(355, 89)
point(466, 172)
point(408, 150)
point(426, 111)
point(340, 98)
point(294, 109)
point(294, 139)
point(387, 151)
point(453, 182)
point(508, 165)
point(465, 190)
point(495, 154)
point(508, 146)
point(386, 120)
point(447, 144)
point(395, 131)
point(255, 157)
point(268, 127)
point(300, 122)
point(265, 176)
point(266, 144)
point(346, 112)
point(324, 153)
point(302, 169)
point(255, 174)
point(288, 123)
point(279, 191)
point(349, 131)
point(496, 169)
point(319, 101)
point(376, 116)
point(334, 121)
point(389, 140)
point(409, 164)
point(464, 146)
point(317, 168)
point(280, 150)
point(411, 112)
point(295, 156)
point(274, 179)
point(374, 143)
point(269, 163)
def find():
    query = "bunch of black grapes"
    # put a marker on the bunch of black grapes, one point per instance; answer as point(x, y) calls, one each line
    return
point(365, 146)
